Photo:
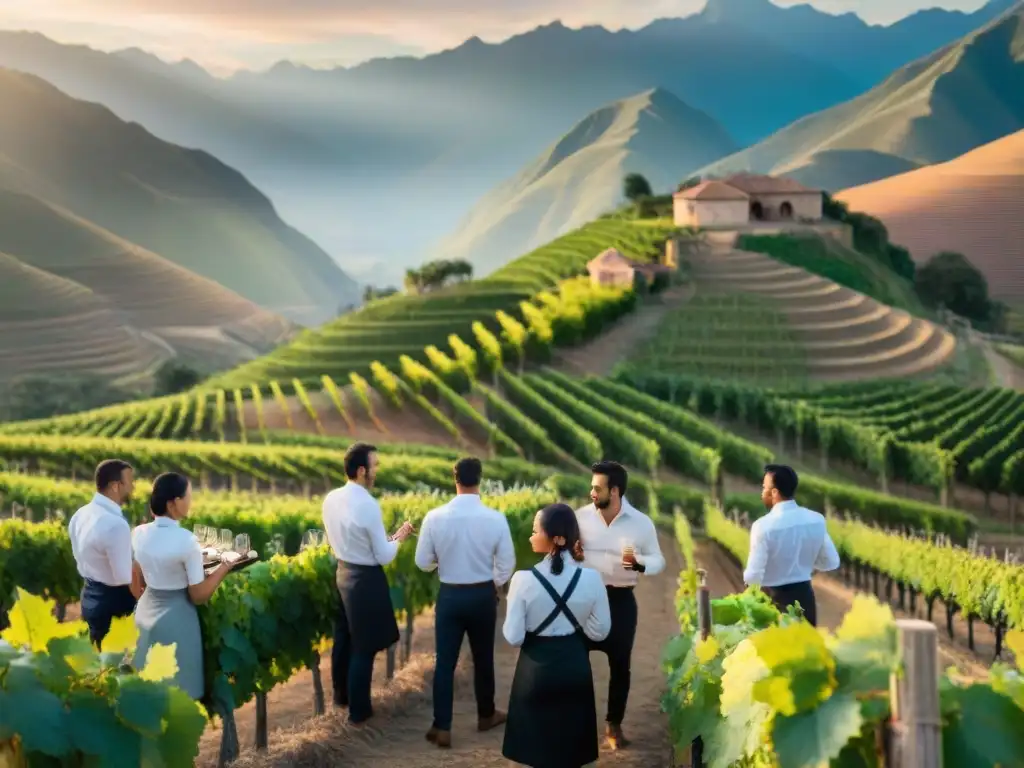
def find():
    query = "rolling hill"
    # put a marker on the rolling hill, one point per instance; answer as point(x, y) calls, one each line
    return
point(932, 110)
point(580, 177)
point(971, 204)
point(51, 324)
point(184, 205)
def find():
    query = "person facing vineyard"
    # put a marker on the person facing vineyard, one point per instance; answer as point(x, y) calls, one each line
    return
point(365, 624)
point(101, 541)
point(471, 547)
point(620, 542)
point(787, 545)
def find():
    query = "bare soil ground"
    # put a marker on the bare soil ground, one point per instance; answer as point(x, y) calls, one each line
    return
point(598, 356)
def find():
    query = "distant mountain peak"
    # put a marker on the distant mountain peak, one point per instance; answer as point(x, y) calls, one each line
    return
point(738, 10)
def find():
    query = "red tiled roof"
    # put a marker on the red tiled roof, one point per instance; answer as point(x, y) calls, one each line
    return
point(760, 184)
point(712, 190)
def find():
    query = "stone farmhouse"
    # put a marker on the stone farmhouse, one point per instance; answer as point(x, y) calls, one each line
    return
point(744, 199)
point(611, 267)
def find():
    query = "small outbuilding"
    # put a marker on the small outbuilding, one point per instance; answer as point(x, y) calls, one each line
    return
point(745, 198)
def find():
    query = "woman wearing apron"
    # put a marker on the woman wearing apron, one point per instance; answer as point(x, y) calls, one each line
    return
point(552, 715)
point(169, 563)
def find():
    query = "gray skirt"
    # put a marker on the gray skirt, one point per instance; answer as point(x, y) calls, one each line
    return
point(168, 616)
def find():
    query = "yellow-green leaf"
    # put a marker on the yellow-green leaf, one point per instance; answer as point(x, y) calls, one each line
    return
point(122, 637)
point(866, 619)
point(161, 663)
point(33, 624)
point(1015, 642)
point(707, 649)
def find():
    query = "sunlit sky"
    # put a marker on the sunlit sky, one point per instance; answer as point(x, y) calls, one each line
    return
point(225, 35)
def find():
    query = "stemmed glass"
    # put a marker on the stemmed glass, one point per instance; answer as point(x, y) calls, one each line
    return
point(202, 533)
point(227, 540)
point(311, 538)
point(242, 544)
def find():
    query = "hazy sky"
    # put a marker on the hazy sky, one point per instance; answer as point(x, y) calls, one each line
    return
point(230, 34)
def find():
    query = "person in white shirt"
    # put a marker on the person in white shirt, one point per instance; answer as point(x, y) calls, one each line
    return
point(169, 567)
point(365, 624)
point(620, 542)
point(787, 545)
point(101, 541)
point(553, 610)
point(470, 545)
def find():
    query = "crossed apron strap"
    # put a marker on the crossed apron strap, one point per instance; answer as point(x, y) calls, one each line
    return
point(561, 601)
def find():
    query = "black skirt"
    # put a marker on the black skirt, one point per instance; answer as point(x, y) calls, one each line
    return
point(366, 601)
point(552, 714)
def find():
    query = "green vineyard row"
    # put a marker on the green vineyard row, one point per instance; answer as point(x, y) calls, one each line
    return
point(767, 691)
point(924, 434)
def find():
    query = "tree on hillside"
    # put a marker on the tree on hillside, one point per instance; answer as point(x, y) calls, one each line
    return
point(949, 280)
point(371, 292)
point(635, 187)
point(689, 183)
point(437, 274)
point(172, 377)
point(870, 237)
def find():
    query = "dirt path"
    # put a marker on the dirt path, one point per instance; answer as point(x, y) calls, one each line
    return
point(397, 739)
point(1007, 374)
point(598, 356)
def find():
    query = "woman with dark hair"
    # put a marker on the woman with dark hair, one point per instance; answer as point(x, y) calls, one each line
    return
point(552, 715)
point(169, 565)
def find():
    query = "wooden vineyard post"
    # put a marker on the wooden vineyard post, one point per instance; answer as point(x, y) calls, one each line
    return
point(916, 724)
point(318, 686)
point(389, 670)
point(261, 720)
point(704, 624)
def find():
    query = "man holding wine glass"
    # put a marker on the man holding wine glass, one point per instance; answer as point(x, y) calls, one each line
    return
point(620, 542)
point(365, 624)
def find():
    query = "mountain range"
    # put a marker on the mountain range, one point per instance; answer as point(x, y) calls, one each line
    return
point(120, 250)
point(971, 205)
point(344, 152)
point(580, 177)
point(932, 110)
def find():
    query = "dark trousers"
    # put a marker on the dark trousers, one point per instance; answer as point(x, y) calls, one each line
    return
point(351, 672)
point(464, 610)
point(618, 647)
point(789, 594)
point(101, 604)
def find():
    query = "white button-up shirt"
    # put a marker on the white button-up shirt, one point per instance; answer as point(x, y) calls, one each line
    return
point(603, 543)
point(787, 545)
point(467, 542)
point(101, 541)
point(355, 527)
point(170, 556)
point(529, 603)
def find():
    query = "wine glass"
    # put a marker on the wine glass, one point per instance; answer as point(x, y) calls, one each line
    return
point(201, 532)
point(311, 538)
point(242, 544)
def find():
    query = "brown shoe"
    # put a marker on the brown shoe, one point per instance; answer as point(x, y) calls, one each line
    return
point(441, 738)
point(487, 723)
point(616, 740)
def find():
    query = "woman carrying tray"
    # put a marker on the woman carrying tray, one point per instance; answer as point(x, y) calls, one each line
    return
point(169, 563)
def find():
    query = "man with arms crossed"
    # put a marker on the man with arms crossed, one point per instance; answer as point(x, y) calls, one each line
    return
point(101, 541)
point(470, 545)
point(621, 543)
point(365, 624)
point(787, 545)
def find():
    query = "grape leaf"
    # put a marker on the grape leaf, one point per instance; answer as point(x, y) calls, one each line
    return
point(142, 704)
point(161, 663)
point(867, 619)
point(989, 729)
point(816, 736)
point(1015, 642)
point(33, 623)
point(122, 637)
point(39, 718)
point(707, 650)
point(179, 743)
point(95, 730)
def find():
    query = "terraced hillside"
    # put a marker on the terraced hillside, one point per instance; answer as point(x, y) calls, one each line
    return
point(51, 323)
point(845, 334)
point(192, 314)
point(403, 324)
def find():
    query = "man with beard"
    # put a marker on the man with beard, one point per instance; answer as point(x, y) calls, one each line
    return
point(365, 624)
point(101, 541)
point(787, 545)
point(620, 542)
